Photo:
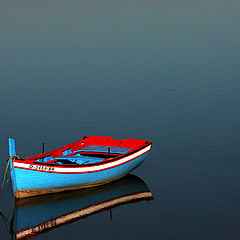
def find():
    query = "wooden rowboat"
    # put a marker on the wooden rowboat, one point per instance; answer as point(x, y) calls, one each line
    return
point(89, 162)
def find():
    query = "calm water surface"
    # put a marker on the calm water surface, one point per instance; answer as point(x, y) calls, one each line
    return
point(166, 71)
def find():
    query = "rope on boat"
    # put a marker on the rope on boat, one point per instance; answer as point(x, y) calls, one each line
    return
point(5, 182)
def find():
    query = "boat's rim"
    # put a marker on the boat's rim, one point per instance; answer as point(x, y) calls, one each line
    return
point(135, 150)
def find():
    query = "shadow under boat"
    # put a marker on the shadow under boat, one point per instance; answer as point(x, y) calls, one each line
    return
point(35, 215)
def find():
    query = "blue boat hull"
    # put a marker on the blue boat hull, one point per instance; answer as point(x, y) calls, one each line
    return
point(39, 179)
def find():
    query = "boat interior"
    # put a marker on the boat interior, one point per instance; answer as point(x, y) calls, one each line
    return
point(89, 150)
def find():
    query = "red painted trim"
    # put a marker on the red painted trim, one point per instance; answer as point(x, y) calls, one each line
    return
point(93, 153)
point(92, 140)
point(80, 167)
point(90, 164)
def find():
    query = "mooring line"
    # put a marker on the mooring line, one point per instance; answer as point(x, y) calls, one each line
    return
point(5, 182)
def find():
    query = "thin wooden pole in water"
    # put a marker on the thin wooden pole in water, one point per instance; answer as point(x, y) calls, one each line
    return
point(43, 149)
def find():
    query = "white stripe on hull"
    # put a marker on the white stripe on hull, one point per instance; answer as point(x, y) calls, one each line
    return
point(85, 169)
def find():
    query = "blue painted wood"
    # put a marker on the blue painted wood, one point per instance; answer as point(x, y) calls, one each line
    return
point(11, 144)
point(36, 180)
point(68, 151)
point(104, 149)
point(79, 159)
point(57, 173)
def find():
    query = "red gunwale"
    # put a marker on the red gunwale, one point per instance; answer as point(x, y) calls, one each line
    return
point(135, 144)
point(78, 166)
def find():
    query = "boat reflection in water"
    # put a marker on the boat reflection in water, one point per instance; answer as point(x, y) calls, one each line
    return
point(37, 214)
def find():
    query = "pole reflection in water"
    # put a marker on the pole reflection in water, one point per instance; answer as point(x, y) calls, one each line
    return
point(37, 214)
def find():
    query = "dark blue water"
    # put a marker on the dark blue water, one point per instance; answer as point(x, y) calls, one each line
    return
point(166, 71)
